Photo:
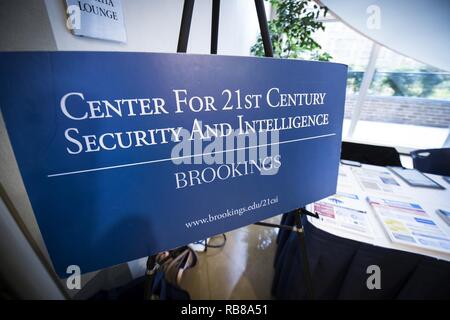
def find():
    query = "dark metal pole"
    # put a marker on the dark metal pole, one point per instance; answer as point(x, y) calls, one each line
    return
point(215, 26)
point(305, 261)
point(185, 27)
point(149, 274)
point(263, 26)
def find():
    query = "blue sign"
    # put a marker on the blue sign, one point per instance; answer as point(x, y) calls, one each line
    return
point(124, 155)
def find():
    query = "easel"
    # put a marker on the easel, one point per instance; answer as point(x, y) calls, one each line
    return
point(183, 39)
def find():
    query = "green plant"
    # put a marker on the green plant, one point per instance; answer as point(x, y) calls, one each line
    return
point(291, 31)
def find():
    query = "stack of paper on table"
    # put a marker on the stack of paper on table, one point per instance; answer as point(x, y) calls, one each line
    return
point(376, 180)
point(344, 211)
point(407, 223)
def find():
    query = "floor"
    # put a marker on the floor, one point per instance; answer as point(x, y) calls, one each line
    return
point(242, 269)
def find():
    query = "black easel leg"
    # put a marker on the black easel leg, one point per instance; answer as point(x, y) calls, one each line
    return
point(264, 27)
point(149, 273)
point(298, 228)
point(215, 26)
point(185, 27)
point(304, 253)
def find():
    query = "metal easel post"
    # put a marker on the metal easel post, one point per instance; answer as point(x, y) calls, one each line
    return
point(215, 26)
point(185, 26)
point(149, 275)
point(264, 27)
point(304, 252)
point(299, 230)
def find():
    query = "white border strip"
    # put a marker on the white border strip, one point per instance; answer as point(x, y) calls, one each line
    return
point(184, 157)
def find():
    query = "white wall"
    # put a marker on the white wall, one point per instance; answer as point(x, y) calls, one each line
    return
point(24, 25)
point(153, 26)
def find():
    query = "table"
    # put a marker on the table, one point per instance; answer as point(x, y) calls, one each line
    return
point(339, 259)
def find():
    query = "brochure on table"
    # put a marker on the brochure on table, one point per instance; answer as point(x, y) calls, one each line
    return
point(379, 180)
point(343, 211)
point(409, 224)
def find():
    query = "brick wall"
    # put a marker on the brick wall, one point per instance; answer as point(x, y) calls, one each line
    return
point(415, 111)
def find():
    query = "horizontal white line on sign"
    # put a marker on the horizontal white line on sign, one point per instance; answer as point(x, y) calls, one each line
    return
point(185, 157)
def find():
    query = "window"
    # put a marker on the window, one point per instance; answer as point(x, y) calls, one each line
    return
point(397, 75)
point(408, 102)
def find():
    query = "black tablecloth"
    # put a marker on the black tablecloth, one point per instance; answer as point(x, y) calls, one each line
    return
point(339, 269)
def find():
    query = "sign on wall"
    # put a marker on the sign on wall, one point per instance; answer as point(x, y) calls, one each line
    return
point(124, 155)
point(101, 19)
